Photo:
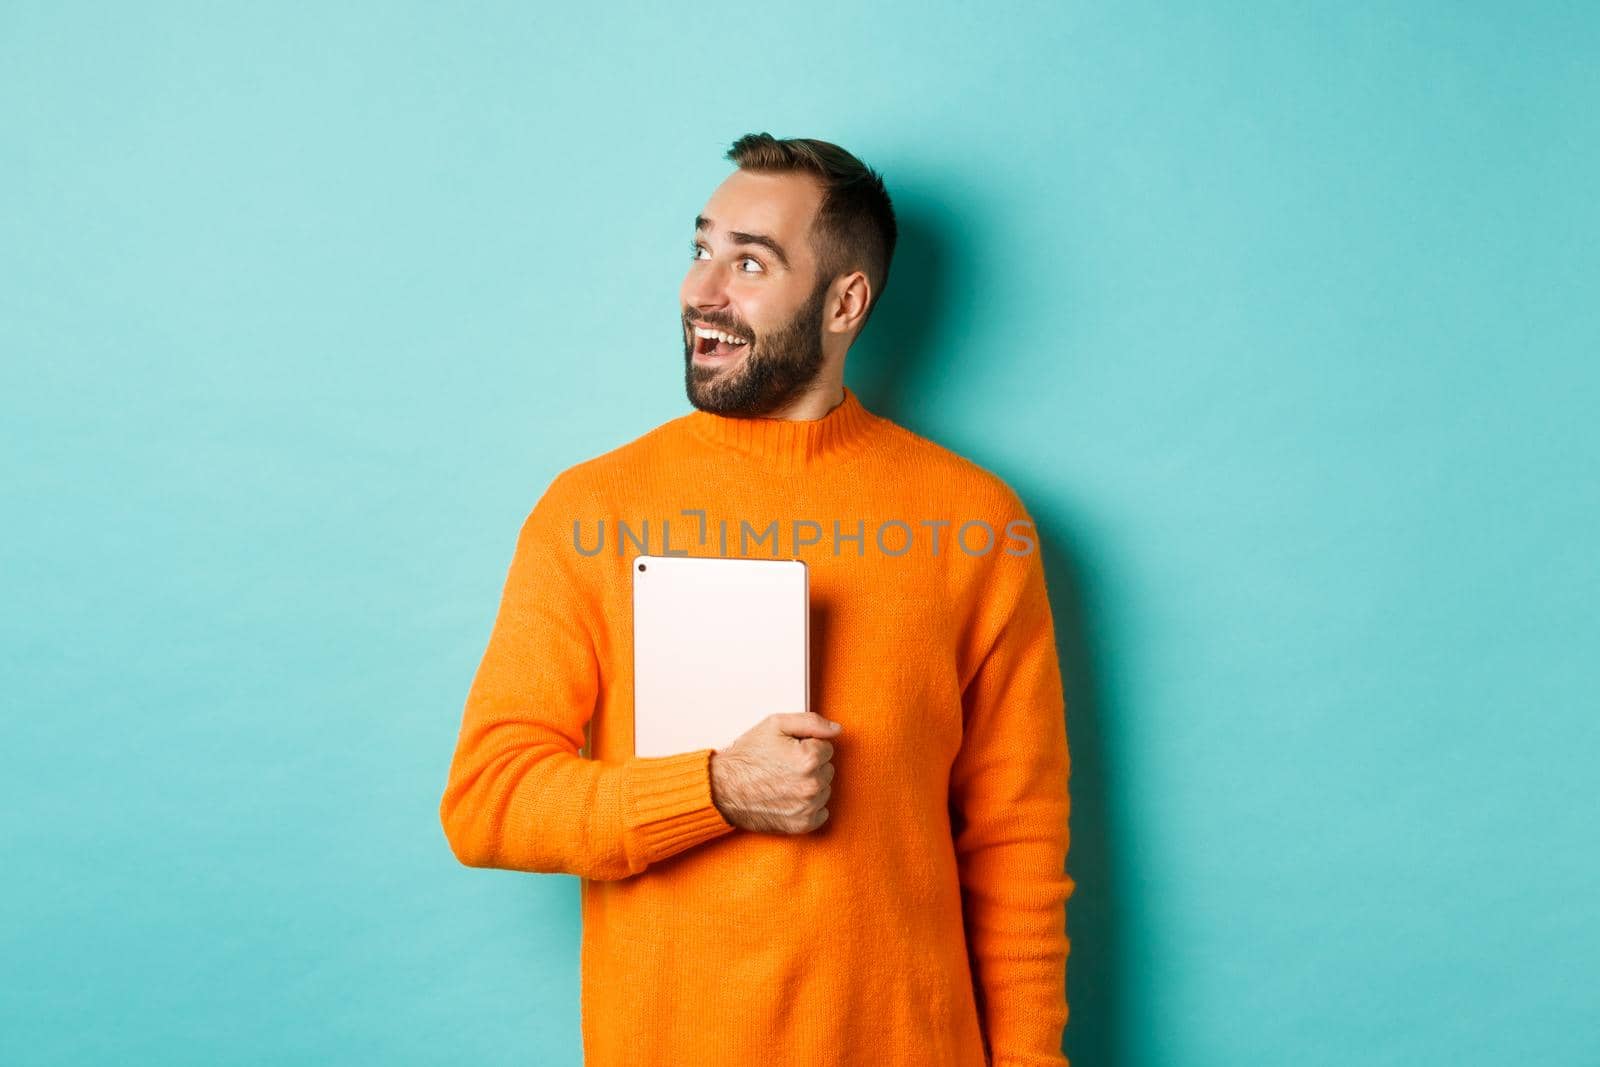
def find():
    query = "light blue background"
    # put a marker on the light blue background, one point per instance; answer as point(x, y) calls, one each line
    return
point(1281, 318)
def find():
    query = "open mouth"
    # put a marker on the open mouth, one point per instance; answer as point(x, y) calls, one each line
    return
point(717, 344)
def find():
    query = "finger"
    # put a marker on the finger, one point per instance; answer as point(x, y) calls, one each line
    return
point(805, 724)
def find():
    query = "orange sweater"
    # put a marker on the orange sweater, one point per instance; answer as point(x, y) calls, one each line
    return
point(924, 922)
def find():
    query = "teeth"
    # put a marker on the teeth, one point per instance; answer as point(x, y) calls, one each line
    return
point(719, 335)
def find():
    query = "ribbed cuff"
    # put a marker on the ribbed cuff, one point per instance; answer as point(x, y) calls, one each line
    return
point(668, 805)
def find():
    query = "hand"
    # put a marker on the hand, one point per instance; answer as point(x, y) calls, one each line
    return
point(778, 775)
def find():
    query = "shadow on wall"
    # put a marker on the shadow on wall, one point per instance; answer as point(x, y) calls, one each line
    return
point(883, 366)
point(1093, 918)
point(887, 369)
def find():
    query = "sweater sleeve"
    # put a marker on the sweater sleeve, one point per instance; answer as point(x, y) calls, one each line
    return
point(1010, 806)
point(519, 796)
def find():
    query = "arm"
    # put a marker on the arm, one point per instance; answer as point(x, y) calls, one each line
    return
point(519, 796)
point(1010, 803)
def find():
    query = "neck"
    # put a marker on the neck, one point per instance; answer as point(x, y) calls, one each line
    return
point(819, 398)
point(792, 442)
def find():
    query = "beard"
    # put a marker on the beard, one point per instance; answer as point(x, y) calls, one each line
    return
point(775, 369)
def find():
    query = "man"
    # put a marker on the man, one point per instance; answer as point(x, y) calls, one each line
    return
point(881, 881)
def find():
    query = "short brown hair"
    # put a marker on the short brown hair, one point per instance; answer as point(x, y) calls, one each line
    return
point(854, 227)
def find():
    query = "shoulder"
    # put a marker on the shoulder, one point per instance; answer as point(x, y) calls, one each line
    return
point(577, 492)
point(596, 477)
point(957, 481)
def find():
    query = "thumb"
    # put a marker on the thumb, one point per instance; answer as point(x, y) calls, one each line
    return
point(805, 724)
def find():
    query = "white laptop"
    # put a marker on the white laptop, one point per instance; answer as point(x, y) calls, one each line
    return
point(719, 643)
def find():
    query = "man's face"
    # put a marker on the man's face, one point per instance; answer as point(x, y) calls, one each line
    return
point(754, 276)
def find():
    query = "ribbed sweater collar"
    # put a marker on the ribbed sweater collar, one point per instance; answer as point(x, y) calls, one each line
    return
point(789, 444)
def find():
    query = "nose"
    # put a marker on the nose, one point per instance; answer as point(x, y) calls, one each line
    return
point(704, 289)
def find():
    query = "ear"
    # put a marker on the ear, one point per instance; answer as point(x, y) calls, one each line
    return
point(848, 299)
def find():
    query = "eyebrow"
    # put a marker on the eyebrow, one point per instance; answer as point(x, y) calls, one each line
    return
point(740, 238)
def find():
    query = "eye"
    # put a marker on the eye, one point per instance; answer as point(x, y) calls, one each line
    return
point(695, 248)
